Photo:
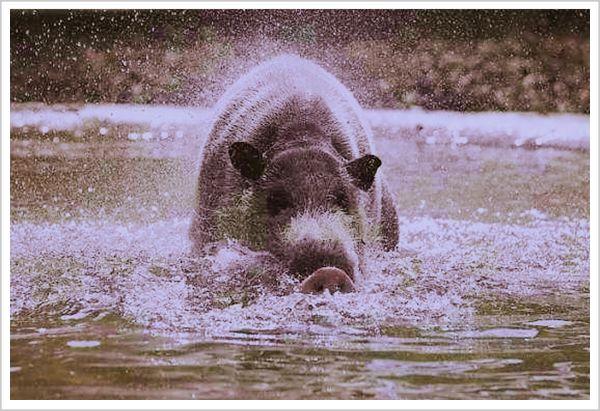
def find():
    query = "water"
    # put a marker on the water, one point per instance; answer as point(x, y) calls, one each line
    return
point(487, 297)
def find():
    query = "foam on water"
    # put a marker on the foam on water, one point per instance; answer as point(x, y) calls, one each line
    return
point(565, 131)
point(79, 270)
point(83, 344)
point(69, 118)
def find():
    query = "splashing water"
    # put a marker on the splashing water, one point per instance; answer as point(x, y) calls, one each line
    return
point(102, 279)
point(145, 274)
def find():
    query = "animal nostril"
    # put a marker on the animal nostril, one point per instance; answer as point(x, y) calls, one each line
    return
point(327, 278)
point(309, 256)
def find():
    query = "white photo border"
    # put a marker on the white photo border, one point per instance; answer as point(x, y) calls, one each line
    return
point(7, 403)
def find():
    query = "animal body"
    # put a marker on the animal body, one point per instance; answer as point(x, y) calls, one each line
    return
point(289, 167)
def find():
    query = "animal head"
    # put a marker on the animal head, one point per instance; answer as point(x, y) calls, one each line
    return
point(311, 201)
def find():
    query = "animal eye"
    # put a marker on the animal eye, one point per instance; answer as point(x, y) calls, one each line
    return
point(341, 200)
point(277, 201)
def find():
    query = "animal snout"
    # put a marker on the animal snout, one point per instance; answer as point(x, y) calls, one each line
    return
point(327, 278)
point(309, 255)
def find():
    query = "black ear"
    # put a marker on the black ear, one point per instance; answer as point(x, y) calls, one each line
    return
point(247, 160)
point(363, 170)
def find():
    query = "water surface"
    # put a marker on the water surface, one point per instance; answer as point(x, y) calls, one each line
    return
point(487, 296)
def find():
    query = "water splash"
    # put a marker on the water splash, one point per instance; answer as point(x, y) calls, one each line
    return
point(145, 274)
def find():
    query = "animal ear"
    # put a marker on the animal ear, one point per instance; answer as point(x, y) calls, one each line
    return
point(363, 170)
point(247, 160)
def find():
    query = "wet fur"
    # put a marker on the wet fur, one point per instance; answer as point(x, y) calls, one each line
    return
point(301, 118)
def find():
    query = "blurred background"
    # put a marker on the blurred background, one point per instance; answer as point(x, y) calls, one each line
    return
point(481, 119)
point(465, 60)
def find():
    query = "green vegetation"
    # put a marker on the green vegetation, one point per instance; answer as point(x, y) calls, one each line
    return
point(509, 74)
point(244, 220)
point(438, 59)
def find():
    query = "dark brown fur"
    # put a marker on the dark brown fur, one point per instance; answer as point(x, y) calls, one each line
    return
point(297, 153)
